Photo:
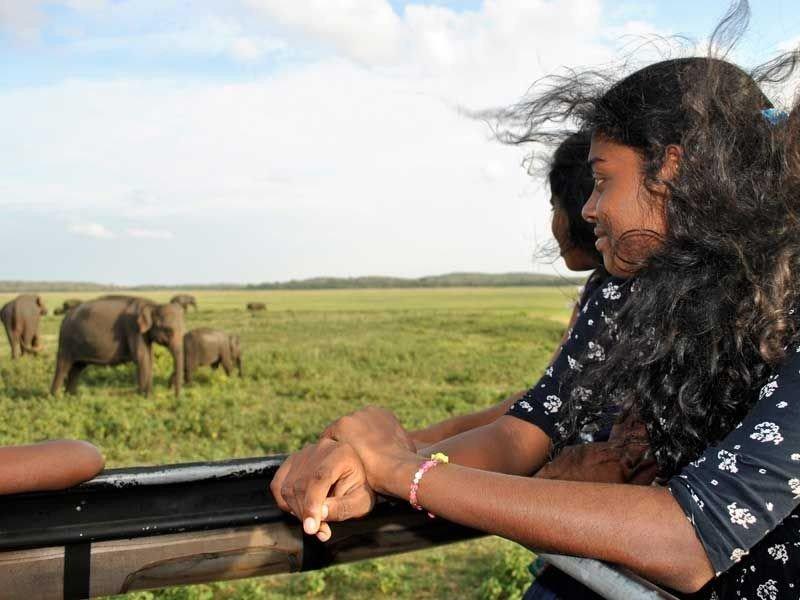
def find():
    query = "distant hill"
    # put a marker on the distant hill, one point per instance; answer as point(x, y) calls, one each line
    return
point(316, 283)
point(448, 280)
point(54, 286)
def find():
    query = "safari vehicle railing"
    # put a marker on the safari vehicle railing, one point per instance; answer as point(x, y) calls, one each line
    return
point(151, 527)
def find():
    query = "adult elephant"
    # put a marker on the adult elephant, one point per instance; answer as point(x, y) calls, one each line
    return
point(67, 306)
point(254, 306)
point(21, 317)
point(118, 329)
point(211, 347)
point(185, 300)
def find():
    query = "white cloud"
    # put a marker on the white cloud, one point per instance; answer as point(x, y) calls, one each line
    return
point(206, 36)
point(91, 230)
point(20, 17)
point(154, 234)
point(352, 164)
point(366, 30)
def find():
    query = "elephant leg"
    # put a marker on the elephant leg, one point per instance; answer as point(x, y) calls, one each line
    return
point(227, 364)
point(188, 370)
point(144, 369)
point(63, 366)
point(29, 343)
point(72, 378)
point(14, 341)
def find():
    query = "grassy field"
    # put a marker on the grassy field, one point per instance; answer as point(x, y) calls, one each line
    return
point(314, 355)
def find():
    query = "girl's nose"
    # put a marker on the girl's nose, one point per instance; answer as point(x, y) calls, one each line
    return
point(589, 210)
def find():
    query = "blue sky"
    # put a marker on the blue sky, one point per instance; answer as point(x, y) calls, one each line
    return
point(168, 141)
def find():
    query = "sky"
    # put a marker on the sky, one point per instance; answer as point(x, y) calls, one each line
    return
point(203, 141)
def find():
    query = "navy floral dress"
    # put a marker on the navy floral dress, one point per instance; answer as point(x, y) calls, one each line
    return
point(742, 495)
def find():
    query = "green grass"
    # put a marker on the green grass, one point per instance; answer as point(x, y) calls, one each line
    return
point(425, 353)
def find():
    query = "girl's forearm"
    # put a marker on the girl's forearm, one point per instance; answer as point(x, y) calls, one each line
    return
point(52, 465)
point(507, 445)
point(462, 423)
point(641, 528)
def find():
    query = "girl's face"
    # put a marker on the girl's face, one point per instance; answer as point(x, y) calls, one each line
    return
point(576, 258)
point(628, 217)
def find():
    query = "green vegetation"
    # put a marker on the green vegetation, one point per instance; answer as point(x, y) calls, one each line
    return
point(312, 356)
point(321, 283)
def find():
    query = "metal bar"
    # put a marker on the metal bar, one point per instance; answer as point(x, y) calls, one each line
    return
point(610, 581)
point(152, 527)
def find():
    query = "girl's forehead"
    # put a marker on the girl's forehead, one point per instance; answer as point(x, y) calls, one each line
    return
point(604, 151)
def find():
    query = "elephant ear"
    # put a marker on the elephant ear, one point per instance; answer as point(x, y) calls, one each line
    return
point(234, 343)
point(145, 318)
point(40, 304)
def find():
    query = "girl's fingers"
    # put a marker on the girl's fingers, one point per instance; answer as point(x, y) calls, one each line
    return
point(324, 533)
point(358, 502)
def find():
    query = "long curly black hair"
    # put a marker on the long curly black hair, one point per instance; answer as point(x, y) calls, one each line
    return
point(711, 309)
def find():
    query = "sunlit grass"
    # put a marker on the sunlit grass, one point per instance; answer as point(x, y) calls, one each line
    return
point(312, 356)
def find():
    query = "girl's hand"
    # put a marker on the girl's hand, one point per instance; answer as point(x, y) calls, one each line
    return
point(322, 483)
point(380, 442)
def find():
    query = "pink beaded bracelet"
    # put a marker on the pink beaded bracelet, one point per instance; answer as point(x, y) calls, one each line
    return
point(423, 468)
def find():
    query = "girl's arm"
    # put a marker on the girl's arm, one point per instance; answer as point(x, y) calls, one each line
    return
point(51, 465)
point(642, 528)
point(462, 423)
point(639, 527)
point(507, 445)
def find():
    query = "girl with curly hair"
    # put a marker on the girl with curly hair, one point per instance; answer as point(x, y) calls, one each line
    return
point(697, 337)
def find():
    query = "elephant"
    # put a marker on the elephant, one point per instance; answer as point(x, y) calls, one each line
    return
point(21, 319)
point(206, 346)
point(67, 306)
point(116, 329)
point(253, 306)
point(185, 300)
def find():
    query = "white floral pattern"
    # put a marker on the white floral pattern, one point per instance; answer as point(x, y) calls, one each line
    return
point(794, 485)
point(768, 389)
point(596, 352)
point(552, 404)
point(728, 461)
point(768, 590)
point(525, 405)
point(767, 432)
point(611, 291)
point(778, 552)
point(740, 515)
point(574, 364)
point(737, 554)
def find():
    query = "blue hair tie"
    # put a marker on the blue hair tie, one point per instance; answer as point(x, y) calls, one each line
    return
point(775, 116)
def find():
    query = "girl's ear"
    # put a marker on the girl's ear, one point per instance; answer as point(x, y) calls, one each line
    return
point(673, 155)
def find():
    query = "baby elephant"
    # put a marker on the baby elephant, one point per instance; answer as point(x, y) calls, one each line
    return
point(67, 306)
point(21, 320)
point(205, 346)
point(185, 300)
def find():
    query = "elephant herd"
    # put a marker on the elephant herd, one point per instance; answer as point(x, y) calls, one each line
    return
point(118, 329)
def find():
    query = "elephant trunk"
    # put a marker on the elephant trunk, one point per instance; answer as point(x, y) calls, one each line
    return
point(239, 365)
point(177, 355)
